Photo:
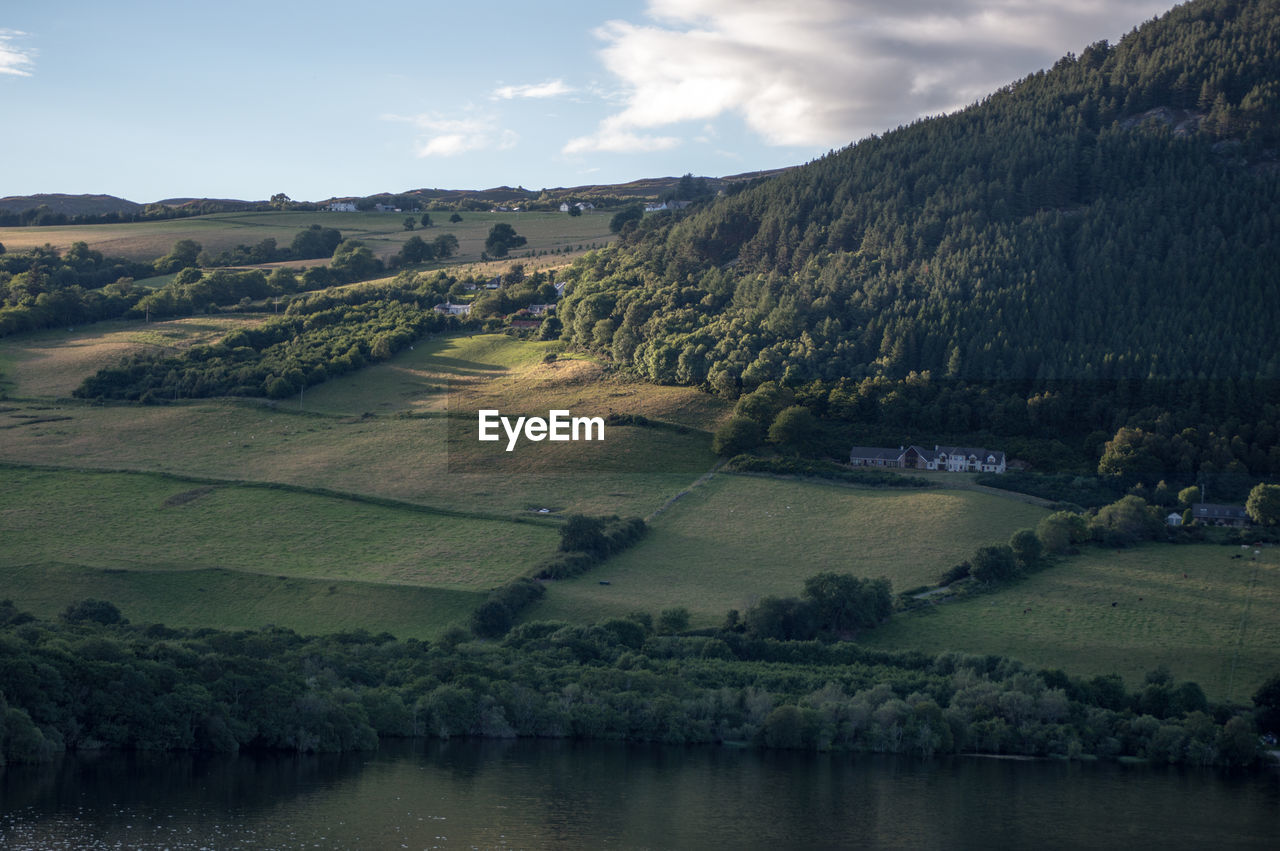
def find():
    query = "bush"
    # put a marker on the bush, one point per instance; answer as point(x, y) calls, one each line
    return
point(93, 611)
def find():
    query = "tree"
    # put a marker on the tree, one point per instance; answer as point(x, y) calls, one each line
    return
point(1026, 547)
point(426, 220)
point(1062, 530)
point(1188, 497)
point(1263, 505)
point(502, 238)
point(409, 223)
point(354, 261)
point(624, 217)
point(583, 534)
point(994, 564)
point(445, 246)
point(737, 436)
point(843, 602)
point(675, 620)
point(93, 611)
point(455, 218)
point(1267, 702)
point(280, 200)
point(315, 241)
point(415, 250)
point(182, 255)
point(491, 619)
point(783, 618)
point(1125, 522)
point(574, 210)
point(795, 428)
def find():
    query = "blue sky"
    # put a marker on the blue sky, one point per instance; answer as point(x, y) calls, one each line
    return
point(151, 100)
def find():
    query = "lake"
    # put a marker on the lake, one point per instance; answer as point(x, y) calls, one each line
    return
point(540, 794)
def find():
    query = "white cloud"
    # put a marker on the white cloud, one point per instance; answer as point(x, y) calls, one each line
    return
point(826, 72)
point(614, 138)
point(15, 60)
point(549, 89)
point(448, 137)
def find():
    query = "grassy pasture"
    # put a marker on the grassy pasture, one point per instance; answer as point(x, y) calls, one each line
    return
point(384, 233)
point(737, 538)
point(1208, 617)
point(53, 363)
point(466, 373)
point(326, 440)
point(147, 522)
point(229, 599)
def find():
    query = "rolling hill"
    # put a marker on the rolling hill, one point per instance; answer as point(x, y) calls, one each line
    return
point(1086, 249)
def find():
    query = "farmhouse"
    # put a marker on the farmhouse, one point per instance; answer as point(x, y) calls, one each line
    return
point(666, 205)
point(541, 309)
point(453, 309)
point(342, 207)
point(1217, 514)
point(953, 459)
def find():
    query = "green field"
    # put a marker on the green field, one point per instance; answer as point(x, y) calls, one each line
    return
point(155, 500)
point(384, 233)
point(369, 503)
point(150, 522)
point(229, 599)
point(1208, 617)
point(737, 538)
point(341, 436)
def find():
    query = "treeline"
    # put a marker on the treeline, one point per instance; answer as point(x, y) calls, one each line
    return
point(1051, 242)
point(91, 681)
point(587, 541)
point(321, 336)
point(43, 288)
point(833, 605)
point(43, 216)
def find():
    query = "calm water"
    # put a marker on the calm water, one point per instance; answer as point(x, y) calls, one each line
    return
point(535, 794)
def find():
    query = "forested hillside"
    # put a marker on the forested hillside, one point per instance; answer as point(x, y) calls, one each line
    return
point(1089, 248)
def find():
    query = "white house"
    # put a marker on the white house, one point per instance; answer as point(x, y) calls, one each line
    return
point(559, 285)
point(342, 207)
point(453, 309)
point(564, 207)
point(953, 459)
point(541, 309)
point(666, 205)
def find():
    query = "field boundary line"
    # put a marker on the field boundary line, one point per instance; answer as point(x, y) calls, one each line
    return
point(329, 493)
point(698, 482)
point(1244, 620)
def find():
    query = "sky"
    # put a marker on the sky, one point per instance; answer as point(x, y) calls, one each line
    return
point(233, 99)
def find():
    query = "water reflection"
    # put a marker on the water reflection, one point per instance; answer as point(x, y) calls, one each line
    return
point(498, 794)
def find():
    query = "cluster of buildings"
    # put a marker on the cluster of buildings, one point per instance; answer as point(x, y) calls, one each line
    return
point(953, 459)
point(529, 317)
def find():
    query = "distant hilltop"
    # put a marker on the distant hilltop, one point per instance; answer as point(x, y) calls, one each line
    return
point(652, 188)
point(71, 205)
